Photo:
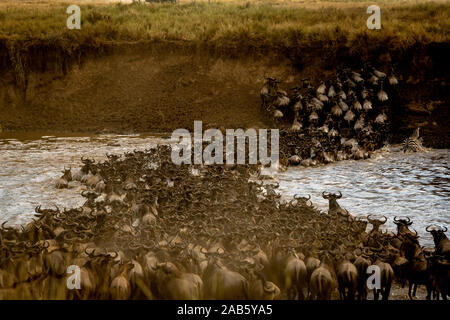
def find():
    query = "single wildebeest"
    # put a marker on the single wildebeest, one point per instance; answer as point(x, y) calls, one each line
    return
point(362, 263)
point(386, 277)
point(402, 226)
point(323, 281)
point(347, 276)
point(333, 206)
point(441, 242)
point(63, 182)
point(376, 223)
point(417, 264)
point(440, 270)
point(375, 233)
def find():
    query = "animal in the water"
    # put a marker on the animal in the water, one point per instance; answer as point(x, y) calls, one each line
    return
point(413, 143)
point(63, 182)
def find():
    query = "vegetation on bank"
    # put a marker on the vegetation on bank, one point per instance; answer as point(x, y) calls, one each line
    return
point(34, 36)
point(227, 25)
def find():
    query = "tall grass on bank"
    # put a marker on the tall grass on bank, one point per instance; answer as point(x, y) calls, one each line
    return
point(228, 25)
point(34, 36)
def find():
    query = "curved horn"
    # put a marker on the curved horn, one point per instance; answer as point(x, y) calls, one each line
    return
point(339, 196)
point(426, 229)
point(91, 254)
point(46, 244)
point(114, 254)
point(445, 229)
point(6, 228)
point(385, 219)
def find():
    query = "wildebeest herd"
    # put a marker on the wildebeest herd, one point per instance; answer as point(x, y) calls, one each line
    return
point(152, 229)
point(346, 117)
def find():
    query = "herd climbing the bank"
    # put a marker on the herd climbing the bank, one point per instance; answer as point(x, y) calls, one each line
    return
point(346, 117)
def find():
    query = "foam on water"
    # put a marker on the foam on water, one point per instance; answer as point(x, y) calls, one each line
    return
point(28, 170)
point(390, 183)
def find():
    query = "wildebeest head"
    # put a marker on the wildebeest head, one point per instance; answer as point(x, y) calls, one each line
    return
point(67, 174)
point(303, 200)
point(332, 197)
point(361, 222)
point(329, 196)
point(376, 223)
point(87, 165)
point(402, 225)
point(437, 233)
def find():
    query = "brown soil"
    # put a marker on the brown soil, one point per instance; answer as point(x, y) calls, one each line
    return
point(141, 91)
point(145, 88)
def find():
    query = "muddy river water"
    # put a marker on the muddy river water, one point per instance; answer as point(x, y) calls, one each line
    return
point(390, 183)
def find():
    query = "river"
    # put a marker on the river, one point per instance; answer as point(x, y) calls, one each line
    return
point(391, 183)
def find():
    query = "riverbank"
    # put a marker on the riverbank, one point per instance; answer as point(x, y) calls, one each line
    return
point(133, 68)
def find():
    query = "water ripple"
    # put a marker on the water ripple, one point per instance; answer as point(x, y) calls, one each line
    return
point(391, 183)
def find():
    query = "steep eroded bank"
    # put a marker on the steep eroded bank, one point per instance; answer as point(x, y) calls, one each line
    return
point(159, 86)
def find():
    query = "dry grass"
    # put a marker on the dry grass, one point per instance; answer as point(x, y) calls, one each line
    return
point(229, 23)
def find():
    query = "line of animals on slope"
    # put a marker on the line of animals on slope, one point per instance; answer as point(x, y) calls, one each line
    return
point(347, 116)
point(151, 229)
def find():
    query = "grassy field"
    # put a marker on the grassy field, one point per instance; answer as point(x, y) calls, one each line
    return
point(231, 23)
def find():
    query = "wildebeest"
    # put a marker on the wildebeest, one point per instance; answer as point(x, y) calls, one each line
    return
point(386, 278)
point(323, 280)
point(362, 263)
point(63, 182)
point(347, 276)
point(333, 207)
point(441, 242)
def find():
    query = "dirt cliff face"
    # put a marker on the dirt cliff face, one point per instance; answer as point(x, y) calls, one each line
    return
point(158, 88)
point(140, 91)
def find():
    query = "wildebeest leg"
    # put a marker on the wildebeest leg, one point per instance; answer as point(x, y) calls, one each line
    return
point(291, 293)
point(415, 289)
point(387, 291)
point(301, 295)
point(351, 294)
point(409, 290)
point(429, 289)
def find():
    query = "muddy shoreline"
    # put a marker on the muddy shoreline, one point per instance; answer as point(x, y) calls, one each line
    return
point(161, 86)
